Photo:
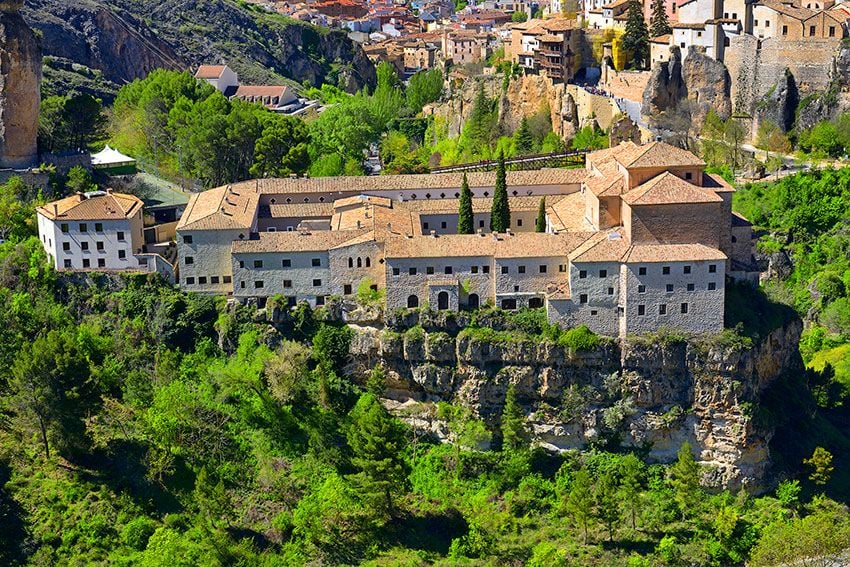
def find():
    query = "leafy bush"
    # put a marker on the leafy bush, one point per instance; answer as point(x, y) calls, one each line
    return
point(579, 339)
point(137, 532)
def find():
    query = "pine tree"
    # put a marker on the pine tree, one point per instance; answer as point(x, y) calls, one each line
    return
point(465, 218)
point(631, 471)
point(658, 22)
point(523, 140)
point(377, 442)
point(579, 502)
point(540, 223)
point(478, 129)
point(684, 480)
point(500, 212)
point(636, 37)
point(605, 502)
point(513, 422)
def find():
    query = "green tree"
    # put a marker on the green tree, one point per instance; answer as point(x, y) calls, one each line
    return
point(635, 39)
point(465, 218)
point(821, 464)
point(500, 212)
point(684, 480)
point(13, 213)
point(591, 137)
point(424, 87)
point(519, 17)
point(540, 222)
point(286, 372)
point(79, 180)
point(70, 122)
point(605, 502)
point(377, 442)
point(658, 22)
point(332, 345)
point(282, 147)
point(51, 387)
point(480, 127)
point(523, 141)
point(513, 422)
point(388, 98)
point(631, 473)
point(579, 504)
point(346, 128)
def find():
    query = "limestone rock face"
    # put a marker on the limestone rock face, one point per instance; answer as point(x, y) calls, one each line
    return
point(779, 104)
point(665, 87)
point(20, 84)
point(648, 394)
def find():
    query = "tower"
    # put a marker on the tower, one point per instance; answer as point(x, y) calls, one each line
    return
point(20, 88)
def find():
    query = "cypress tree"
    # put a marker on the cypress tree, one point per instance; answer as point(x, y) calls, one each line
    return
point(500, 212)
point(523, 140)
point(658, 22)
point(465, 217)
point(540, 223)
point(513, 422)
point(636, 37)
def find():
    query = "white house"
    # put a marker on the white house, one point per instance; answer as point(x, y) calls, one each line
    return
point(222, 77)
point(99, 231)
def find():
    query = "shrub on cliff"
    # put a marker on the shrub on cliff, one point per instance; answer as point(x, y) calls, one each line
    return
point(580, 338)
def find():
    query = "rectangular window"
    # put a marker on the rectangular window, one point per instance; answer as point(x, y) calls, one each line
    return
point(474, 269)
point(811, 31)
point(286, 263)
point(831, 31)
point(258, 284)
point(346, 289)
point(120, 236)
point(320, 300)
point(755, 23)
point(317, 283)
point(504, 269)
point(542, 268)
point(641, 289)
point(690, 287)
point(684, 308)
point(258, 263)
point(287, 284)
point(582, 274)
point(481, 224)
point(642, 271)
point(662, 309)
point(396, 271)
point(86, 263)
point(449, 270)
point(84, 246)
point(424, 226)
point(641, 309)
point(429, 270)
point(84, 227)
point(767, 23)
point(122, 254)
point(66, 246)
point(67, 263)
point(485, 269)
point(442, 225)
point(189, 260)
point(202, 280)
point(784, 30)
point(712, 286)
point(191, 281)
point(519, 222)
point(582, 298)
point(242, 284)
point(226, 279)
point(99, 246)
point(187, 239)
point(98, 227)
point(241, 263)
point(213, 279)
point(411, 271)
point(64, 227)
point(603, 273)
point(712, 268)
point(520, 269)
point(316, 262)
point(669, 288)
point(562, 268)
point(686, 270)
point(610, 291)
point(101, 263)
point(665, 270)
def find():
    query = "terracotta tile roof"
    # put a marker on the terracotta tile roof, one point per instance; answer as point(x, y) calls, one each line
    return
point(359, 200)
point(672, 253)
point(227, 207)
point(97, 205)
point(210, 71)
point(536, 30)
point(792, 11)
point(691, 26)
point(716, 183)
point(295, 241)
point(740, 220)
point(667, 188)
point(559, 24)
point(654, 154)
point(479, 204)
point(605, 246)
point(617, 3)
point(559, 291)
point(424, 182)
point(301, 210)
point(664, 39)
point(549, 38)
point(607, 183)
point(518, 245)
point(567, 213)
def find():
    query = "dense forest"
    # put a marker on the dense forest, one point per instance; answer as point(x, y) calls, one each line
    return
point(143, 425)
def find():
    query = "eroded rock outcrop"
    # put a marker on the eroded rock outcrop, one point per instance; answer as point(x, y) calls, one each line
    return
point(20, 82)
point(645, 393)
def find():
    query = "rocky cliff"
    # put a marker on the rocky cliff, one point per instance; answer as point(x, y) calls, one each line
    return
point(650, 394)
point(126, 39)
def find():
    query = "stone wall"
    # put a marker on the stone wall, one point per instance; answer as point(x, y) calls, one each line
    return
point(648, 393)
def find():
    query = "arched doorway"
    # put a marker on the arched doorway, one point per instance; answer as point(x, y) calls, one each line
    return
point(412, 301)
point(474, 302)
point(443, 300)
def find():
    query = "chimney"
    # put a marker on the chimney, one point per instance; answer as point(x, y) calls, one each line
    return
point(55, 209)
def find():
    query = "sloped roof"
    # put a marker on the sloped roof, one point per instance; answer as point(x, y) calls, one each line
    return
point(296, 241)
point(97, 205)
point(608, 183)
point(666, 188)
point(672, 253)
point(604, 246)
point(654, 154)
point(108, 156)
point(210, 71)
point(516, 245)
point(227, 207)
